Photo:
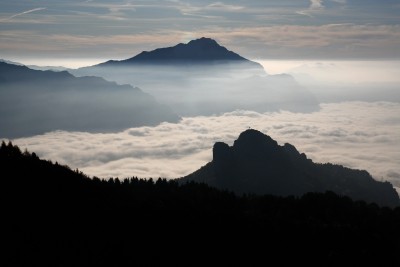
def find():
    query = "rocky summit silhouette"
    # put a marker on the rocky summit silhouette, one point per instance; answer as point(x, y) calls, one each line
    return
point(197, 58)
point(34, 102)
point(202, 77)
point(257, 164)
point(199, 51)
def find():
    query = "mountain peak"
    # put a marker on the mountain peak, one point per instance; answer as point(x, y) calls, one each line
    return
point(198, 50)
point(201, 51)
point(253, 142)
point(253, 135)
point(204, 41)
point(257, 164)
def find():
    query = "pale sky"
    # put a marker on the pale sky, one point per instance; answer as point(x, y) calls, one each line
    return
point(97, 30)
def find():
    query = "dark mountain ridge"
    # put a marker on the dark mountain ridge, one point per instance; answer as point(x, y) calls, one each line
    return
point(257, 164)
point(55, 216)
point(34, 102)
point(35, 67)
point(13, 73)
point(199, 51)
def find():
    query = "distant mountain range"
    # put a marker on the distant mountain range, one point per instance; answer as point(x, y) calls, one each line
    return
point(34, 102)
point(257, 164)
point(204, 78)
point(35, 67)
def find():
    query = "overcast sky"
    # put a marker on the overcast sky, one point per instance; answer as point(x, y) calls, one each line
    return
point(276, 29)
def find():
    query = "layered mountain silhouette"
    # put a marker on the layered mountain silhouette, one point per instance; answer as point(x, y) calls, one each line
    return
point(34, 102)
point(204, 78)
point(35, 67)
point(257, 164)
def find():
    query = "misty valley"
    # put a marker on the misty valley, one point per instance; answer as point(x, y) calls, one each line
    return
point(193, 155)
point(204, 78)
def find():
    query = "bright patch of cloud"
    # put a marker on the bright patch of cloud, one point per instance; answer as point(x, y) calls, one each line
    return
point(225, 7)
point(356, 134)
point(329, 73)
point(316, 4)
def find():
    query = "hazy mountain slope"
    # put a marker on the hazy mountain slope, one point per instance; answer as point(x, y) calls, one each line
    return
point(34, 102)
point(257, 164)
point(203, 78)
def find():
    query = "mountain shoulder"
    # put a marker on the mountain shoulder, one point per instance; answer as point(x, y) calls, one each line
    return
point(257, 164)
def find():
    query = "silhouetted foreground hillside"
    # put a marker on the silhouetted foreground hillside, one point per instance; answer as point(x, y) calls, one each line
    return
point(54, 216)
point(257, 164)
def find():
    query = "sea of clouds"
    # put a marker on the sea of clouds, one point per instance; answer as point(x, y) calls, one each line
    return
point(358, 135)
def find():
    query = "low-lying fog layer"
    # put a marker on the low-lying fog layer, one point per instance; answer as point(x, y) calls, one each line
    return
point(212, 88)
point(337, 81)
point(355, 134)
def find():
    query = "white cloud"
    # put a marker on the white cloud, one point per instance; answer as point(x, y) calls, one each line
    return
point(23, 13)
point(356, 134)
point(316, 4)
point(224, 7)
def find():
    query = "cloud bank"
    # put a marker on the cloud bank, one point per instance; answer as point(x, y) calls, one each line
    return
point(256, 29)
point(355, 134)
